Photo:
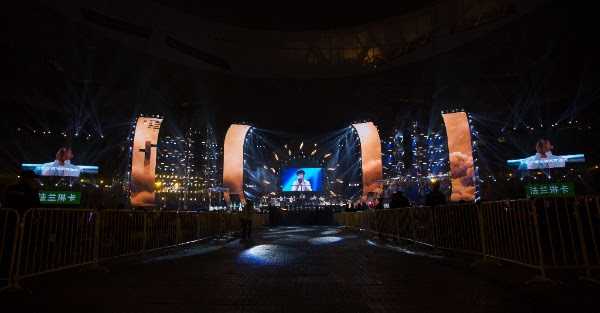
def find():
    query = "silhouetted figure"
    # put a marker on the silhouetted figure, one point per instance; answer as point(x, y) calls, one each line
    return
point(24, 194)
point(399, 201)
point(379, 205)
point(246, 220)
point(363, 206)
point(435, 197)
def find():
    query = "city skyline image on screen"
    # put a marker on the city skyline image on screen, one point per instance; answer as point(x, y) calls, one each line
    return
point(302, 179)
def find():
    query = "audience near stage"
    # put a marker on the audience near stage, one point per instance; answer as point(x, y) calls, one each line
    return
point(380, 204)
point(23, 194)
point(399, 200)
point(435, 197)
point(246, 220)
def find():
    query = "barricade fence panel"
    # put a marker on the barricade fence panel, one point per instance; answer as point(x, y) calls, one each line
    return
point(162, 229)
point(455, 227)
point(54, 239)
point(510, 231)
point(422, 224)
point(44, 240)
point(122, 233)
point(569, 231)
point(590, 220)
point(544, 234)
point(189, 227)
point(9, 223)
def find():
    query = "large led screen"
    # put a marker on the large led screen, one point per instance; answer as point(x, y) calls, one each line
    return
point(302, 179)
point(233, 160)
point(460, 153)
point(370, 154)
point(143, 161)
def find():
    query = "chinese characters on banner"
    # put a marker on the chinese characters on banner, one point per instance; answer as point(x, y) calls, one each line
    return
point(60, 197)
point(557, 189)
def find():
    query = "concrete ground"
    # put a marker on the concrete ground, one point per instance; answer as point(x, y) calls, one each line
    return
point(295, 269)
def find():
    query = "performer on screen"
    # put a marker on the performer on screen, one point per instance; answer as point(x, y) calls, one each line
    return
point(543, 149)
point(301, 184)
point(62, 165)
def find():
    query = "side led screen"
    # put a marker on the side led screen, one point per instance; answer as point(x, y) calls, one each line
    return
point(61, 166)
point(370, 151)
point(545, 159)
point(301, 179)
point(461, 156)
point(143, 161)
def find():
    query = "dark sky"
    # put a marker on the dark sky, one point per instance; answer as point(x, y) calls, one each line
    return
point(295, 16)
point(62, 74)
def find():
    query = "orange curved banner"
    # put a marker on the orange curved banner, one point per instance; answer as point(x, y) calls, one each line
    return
point(370, 151)
point(233, 160)
point(460, 152)
point(143, 161)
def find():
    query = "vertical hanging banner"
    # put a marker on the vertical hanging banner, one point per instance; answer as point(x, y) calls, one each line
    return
point(233, 160)
point(370, 152)
point(460, 151)
point(143, 161)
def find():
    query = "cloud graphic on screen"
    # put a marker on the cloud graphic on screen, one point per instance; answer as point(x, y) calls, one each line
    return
point(143, 181)
point(462, 192)
point(461, 165)
point(461, 169)
point(142, 191)
point(145, 197)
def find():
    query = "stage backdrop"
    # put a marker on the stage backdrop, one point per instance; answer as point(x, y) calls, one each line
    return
point(143, 161)
point(233, 160)
point(370, 151)
point(460, 153)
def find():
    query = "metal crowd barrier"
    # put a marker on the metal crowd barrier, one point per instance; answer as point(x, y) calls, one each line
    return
point(9, 221)
point(545, 234)
point(46, 240)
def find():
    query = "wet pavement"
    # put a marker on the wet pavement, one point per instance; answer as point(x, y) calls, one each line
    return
point(292, 269)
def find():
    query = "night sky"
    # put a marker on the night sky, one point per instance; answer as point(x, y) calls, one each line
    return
point(60, 73)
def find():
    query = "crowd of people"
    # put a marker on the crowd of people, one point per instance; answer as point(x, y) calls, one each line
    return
point(398, 199)
point(23, 194)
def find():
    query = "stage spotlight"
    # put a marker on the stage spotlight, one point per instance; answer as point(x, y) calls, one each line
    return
point(301, 145)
